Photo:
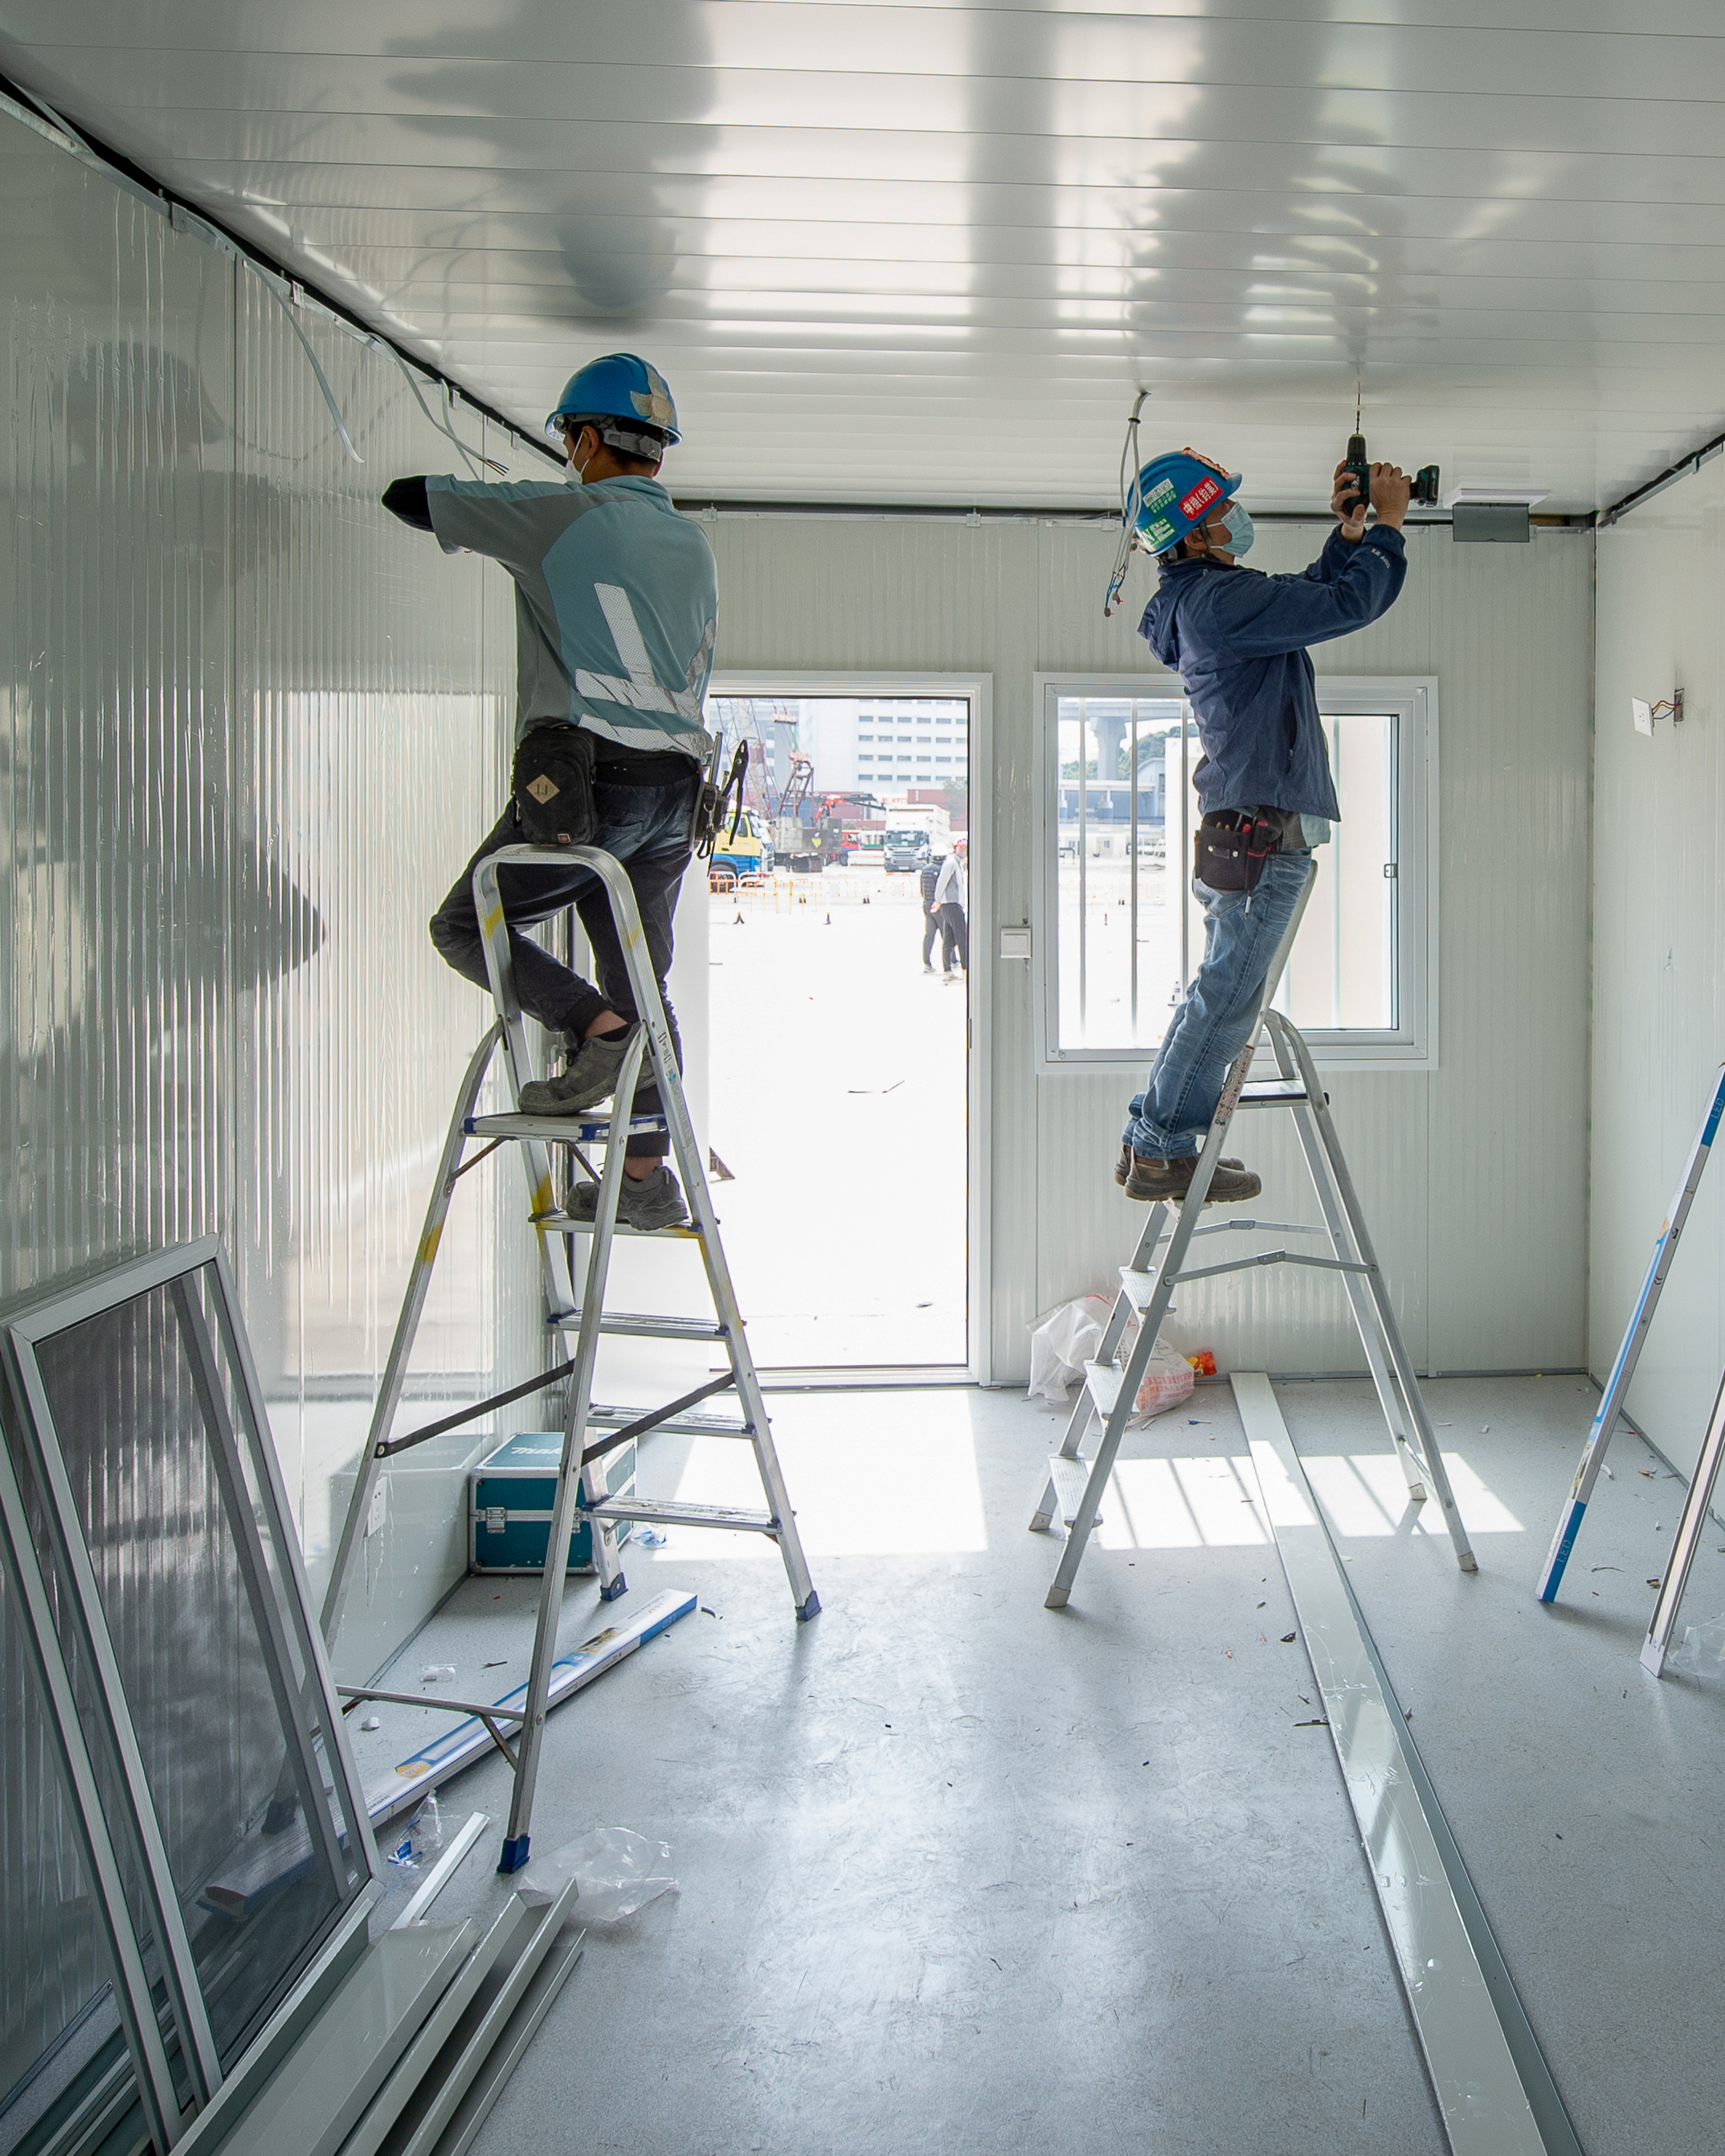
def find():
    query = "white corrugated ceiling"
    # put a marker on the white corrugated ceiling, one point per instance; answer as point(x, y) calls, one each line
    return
point(926, 252)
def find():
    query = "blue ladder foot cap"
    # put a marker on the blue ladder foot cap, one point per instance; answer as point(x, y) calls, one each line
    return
point(514, 1853)
point(809, 1609)
point(619, 1586)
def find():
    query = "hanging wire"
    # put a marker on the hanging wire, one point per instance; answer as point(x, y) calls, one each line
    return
point(1130, 503)
point(288, 302)
point(442, 426)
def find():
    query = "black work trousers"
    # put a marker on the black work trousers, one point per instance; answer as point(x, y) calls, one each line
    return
point(955, 939)
point(645, 827)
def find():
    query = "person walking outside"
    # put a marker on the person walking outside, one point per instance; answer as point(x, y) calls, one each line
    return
point(1237, 638)
point(616, 615)
point(952, 899)
point(927, 878)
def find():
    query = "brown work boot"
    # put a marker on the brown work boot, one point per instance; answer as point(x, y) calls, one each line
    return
point(1167, 1181)
point(1123, 1166)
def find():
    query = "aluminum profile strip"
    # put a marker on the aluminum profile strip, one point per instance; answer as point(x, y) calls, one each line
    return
point(409, 2076)
point(442, 1872)
point(563, 1952)
point(1494, 2090)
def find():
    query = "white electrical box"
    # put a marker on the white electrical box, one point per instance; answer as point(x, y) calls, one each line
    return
point(379, 1513)
point(1014, 942)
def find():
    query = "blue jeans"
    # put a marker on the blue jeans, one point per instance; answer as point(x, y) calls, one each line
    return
point(1169, 1119)
point(647, 829)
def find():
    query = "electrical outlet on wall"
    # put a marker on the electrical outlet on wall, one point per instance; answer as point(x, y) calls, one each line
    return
point(380, 1506)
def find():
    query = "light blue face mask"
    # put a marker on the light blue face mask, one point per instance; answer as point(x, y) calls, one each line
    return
point(1240, 534)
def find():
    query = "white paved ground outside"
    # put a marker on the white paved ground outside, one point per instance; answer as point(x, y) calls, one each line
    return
point(837, 1101)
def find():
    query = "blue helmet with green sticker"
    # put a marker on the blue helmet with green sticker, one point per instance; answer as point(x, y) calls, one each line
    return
point(1175, 494)
point(626, 398)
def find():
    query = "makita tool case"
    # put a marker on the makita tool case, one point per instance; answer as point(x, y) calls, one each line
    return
point(509, 1498)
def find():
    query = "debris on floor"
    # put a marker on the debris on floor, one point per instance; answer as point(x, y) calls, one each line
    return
point(616, 1871)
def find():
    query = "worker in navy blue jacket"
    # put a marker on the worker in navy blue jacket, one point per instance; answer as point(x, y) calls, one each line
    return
point(1237, 638)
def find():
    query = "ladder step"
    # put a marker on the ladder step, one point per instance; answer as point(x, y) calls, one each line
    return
point(627, 1325)
point(672, 1512)
point(583, 1129)
point(1272, 1093)
point(1069, 1478)
point(566, 1224)
point(693, 1424)
point(1137, 1287)
point(1104, 1381)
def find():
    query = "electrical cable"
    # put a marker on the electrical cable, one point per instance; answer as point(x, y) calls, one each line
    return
point(1130, 505)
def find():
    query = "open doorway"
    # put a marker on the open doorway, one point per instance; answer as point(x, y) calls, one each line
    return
point(841, 1027)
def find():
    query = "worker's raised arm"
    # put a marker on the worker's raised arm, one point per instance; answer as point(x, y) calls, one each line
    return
point(1246, 617)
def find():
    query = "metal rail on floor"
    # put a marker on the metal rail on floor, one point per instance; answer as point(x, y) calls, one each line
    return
point(1494, 2090)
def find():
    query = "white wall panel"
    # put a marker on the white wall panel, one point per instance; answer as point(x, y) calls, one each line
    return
point(1474, 1174)
point(253, 727)
point(1659, 948)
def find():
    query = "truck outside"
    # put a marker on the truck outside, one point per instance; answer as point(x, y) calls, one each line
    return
point(914, 836)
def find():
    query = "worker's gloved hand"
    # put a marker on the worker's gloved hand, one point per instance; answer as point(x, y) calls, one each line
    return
point(406, 499)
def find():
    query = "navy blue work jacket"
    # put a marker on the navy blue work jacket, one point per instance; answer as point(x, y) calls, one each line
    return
point(1237, 638)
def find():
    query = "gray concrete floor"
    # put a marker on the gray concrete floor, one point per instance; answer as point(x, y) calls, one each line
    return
point(957, 1874)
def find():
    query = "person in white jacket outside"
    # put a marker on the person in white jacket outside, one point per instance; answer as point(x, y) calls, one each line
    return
point(952, 901)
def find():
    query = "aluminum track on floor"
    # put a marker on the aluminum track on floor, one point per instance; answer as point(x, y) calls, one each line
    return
point(1494, 2091)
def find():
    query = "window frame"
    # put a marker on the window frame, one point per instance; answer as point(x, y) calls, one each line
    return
point(1412, 699)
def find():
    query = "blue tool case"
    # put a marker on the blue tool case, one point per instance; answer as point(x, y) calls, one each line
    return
point(509, 1497)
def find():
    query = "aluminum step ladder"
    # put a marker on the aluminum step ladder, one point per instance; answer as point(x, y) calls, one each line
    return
point(580, 1489)
point(1076, 1485)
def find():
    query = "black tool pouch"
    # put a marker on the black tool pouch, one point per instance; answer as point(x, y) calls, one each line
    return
point(712, 800)
point(1229, 851)
point(552, 786)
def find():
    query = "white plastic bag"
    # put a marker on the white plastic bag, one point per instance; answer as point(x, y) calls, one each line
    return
point(1061, 1346)
point(616, 1871)
point(1703, 1653)
point(1168, 1380)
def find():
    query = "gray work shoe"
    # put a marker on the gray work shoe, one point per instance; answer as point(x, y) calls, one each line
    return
point(1167, 1181)
point(653, 1201)
point(1123, 1166)
point(590, 1076)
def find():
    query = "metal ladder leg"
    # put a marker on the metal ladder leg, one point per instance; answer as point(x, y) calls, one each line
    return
point(1401, 1362)
point(401, 1348)
point(675, 1108)
point(1364, 1317)
point(1078, 1421)
point(571, 1473)
point(1119, 1407)
point(1166, 1275)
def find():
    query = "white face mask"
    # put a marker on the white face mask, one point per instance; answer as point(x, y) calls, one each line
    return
point(1240, 533)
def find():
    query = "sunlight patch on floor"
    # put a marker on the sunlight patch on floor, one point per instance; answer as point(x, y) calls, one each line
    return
point(1366, 1493)
point(1206, 1501)
point(905, 1492)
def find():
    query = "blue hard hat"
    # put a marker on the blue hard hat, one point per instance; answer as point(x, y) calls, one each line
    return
point(1174, 494)
point(626, 398)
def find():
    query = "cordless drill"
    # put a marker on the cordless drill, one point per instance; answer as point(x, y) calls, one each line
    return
point(1356, 467)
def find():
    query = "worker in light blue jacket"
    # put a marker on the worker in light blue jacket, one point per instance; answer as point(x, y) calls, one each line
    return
point(616, 613)
point(1237, 638)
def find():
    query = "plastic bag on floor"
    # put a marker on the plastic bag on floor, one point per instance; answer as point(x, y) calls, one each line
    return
point(616, 1871)
point(1169, 1379)
point(1703, 1653)
point(1061, 1346)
